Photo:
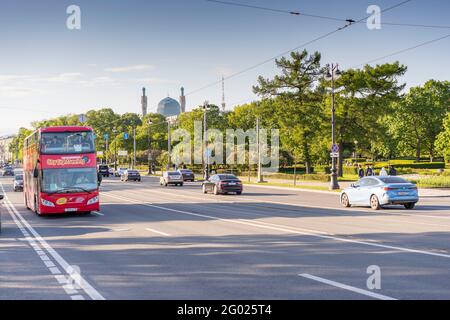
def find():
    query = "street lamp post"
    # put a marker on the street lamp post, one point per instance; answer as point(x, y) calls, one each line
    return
point(150, 122)
point(169, 147)
point(333, 74)
point(205, 142)
point(115, 150)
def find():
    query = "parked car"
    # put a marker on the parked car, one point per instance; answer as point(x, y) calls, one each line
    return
point(174, 178)
point(223, 184)
point(131, 175)
point(111, 171)
point(377, 192)
point(120, 172)
point(1, 198)
point(18, 182)
point(104, 170)
point(8, 171)
point(188, 175)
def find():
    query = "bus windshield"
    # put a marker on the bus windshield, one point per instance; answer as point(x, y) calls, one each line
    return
point(69, 180)
point(67, 142)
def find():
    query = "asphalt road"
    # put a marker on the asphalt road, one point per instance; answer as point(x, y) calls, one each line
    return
point(150, 242)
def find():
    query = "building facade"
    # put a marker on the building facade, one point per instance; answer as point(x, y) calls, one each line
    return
point(5, 154)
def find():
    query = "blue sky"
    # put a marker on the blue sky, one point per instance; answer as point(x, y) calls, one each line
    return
point(47, 70)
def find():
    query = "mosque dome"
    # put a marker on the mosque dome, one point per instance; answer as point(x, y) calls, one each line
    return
point(169, 107)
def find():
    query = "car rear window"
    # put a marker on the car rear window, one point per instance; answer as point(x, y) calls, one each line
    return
point(227, 177)
point(173, 174)
point(393, 180)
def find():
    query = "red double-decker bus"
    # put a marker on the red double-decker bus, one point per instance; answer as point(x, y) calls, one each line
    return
point(60, 171)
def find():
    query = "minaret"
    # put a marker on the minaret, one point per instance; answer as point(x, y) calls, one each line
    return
point(223, 94)
point(183, 101)
point(144, 103)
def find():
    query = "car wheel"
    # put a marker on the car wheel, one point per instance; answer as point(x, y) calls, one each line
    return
point(345, 201)
point(410, 206)
point(239, 193)
point(216, 191)
point(204, 189)
point(181, 184)
point(375, 203)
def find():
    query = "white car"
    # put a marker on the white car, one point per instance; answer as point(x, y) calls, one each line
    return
point(175, 178)
point(120, 172)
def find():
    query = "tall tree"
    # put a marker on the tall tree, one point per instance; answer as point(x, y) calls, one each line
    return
point(298, 110)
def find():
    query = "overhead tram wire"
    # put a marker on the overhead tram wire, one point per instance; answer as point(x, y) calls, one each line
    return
point(403, 51)
point(297, 13)
point(349, 23)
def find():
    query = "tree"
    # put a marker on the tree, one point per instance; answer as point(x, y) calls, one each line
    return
point(417, 119)
point(298, 104)
point(361, 104)
point(443, 140)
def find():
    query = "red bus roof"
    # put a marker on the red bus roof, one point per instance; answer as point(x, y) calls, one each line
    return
point(65, 129)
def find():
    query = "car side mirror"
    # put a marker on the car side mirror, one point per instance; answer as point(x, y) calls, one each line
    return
point(36, 173)
point(1, 197)
point(354, 185)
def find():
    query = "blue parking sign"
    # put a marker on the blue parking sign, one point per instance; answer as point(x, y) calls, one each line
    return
point(125, 136)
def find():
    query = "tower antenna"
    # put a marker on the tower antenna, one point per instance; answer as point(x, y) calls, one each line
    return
point(223, 94)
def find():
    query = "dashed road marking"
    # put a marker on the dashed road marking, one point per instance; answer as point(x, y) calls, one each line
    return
point(158, 232)
point(347, 287)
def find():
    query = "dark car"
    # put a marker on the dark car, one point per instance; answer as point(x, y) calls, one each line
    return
point(131, 175)
point(18, 182)
point(187, 174)
point(223, 184)
point(8, 171)
point(104, 170)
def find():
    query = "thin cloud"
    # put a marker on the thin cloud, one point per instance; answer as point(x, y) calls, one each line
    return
point(140, 67)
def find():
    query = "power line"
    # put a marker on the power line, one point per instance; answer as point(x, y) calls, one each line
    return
point(348, 24)
point(324, 17)
point(403, 51)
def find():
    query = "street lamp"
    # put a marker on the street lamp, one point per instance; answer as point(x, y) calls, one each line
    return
point(115, 150)
point(333, 73)
point(149, 122)
point(206, 106)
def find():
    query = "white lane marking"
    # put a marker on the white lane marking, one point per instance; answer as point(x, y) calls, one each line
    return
point(346, 287)
point(50, 265)
point(22, 224)
point(294, 230)
point(158, 232)
point(98, 213)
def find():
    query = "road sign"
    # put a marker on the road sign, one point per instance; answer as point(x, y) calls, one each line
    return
point(106, 136)
point(334, 154)
point(82, 118)
point(335, 148)
point(123, 153)
point(100, 154)
point(126, 136)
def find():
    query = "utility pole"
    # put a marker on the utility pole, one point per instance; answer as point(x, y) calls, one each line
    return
point(115, 151)
point(169, 147)
point(205, 142)
point(149, 148)
point(258, 138)
point(134, 147)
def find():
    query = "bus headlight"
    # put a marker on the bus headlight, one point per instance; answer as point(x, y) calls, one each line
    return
point(93, 201)
point(47, 203)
